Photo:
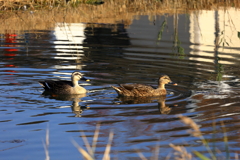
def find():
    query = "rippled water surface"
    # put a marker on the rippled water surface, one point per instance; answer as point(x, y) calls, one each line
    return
point(181, 46)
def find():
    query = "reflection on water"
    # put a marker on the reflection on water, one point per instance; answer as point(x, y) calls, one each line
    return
point(199, 52)
point(76, 108)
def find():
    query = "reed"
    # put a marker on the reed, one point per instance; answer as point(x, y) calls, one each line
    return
point(46, 145)
point(182, 154)
point(154, 154)
point(88, 154)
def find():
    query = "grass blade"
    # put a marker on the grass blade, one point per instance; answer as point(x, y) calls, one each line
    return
point(225, 139)
point(90, 151)
point(108, 147)
point(95, 138)
point(82, 151)
point(200, 155)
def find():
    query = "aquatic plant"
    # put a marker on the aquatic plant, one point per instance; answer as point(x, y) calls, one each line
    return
point(163, 25)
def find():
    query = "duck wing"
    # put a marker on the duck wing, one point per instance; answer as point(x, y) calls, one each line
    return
point(139, 87)
point(55, 85)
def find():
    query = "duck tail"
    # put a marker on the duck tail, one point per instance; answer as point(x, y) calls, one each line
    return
point(117, 89)
point(41, 83)
point(44, 84)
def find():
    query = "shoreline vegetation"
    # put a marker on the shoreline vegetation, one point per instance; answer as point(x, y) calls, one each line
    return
point(43, 14)
point(130, 5)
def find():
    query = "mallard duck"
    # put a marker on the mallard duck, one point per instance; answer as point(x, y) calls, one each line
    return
point(65, 87)
point(140, 90)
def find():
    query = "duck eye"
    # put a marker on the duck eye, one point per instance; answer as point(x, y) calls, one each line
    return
point(77, 74)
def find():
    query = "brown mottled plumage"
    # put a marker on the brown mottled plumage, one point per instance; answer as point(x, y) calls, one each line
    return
point(65, 87)
point(140, 90)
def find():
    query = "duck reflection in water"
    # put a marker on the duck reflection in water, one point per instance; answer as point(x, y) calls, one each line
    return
point(162, 107)
point(77, 109)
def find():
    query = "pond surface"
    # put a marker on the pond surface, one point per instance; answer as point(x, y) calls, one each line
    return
point(199, 51)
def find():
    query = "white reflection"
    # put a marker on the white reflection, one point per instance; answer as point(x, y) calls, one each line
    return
point(69, 43)
point(65, 67)
point(216, 32)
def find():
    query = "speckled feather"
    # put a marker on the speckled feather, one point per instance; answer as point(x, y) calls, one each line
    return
point(140, 90)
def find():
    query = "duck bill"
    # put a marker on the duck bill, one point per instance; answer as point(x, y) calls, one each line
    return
point(173, 83)
point(84, 79)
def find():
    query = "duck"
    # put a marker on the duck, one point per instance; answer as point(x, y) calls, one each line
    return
point(65, 87)
point(141, 90)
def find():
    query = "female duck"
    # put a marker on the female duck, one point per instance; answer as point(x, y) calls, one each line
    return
point(65, 87)
point(140, 90)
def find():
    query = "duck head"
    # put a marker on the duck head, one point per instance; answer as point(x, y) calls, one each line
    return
point(76, 76)
point(164, 79)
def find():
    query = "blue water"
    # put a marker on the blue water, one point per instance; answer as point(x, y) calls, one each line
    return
point(207, 91)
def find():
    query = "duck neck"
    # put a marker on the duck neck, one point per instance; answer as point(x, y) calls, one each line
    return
point(161, 86)
point(75, 82)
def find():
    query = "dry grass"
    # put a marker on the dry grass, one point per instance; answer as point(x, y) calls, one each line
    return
point(189, 122)
point(41, 14)
point(130, 5)
point(46, 145)
point(88, 154)
point(154, 154)
point(180, 152)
